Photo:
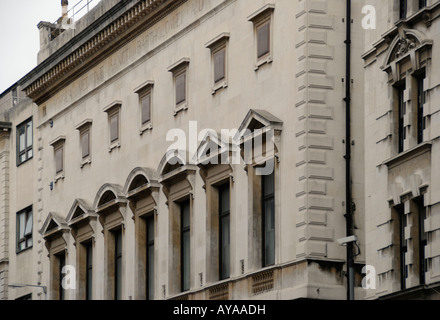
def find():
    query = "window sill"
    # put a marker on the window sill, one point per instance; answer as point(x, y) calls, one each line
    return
point(219, 86)
point(181, 107)
point(263, 61)
point(86, 161)
point(408, 154)
point(113, 146)
point(59, 176)
point(146, 127)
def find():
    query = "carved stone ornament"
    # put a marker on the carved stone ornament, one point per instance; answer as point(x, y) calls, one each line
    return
point(404, 45)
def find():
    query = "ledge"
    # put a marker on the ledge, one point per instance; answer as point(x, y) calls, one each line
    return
point(182, 63)
point(408, 155)
point(144, 87)
point(266, 10)
point(220, 39)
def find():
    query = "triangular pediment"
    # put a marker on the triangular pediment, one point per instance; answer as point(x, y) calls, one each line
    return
point(257, 120)
point(79, 209)
point(53, 224)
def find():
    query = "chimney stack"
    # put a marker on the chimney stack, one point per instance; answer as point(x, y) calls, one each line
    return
point(64, 6)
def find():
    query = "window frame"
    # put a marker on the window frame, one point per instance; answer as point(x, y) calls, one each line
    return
point(83, 128)
point(266, 199)
point(216, 45)
point(264, 16)
point(112, 110)
point(180, 68)
point(145, 89)
point(26, 236)
point(185, 282)
point(27, 149)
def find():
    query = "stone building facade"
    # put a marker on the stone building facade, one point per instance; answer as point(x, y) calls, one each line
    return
point(97, 204)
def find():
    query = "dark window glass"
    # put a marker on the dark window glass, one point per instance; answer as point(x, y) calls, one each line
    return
point(89, 271)
point(263, 39)
point(402, 111)
point(118, 264)
point(24, 142)
point(403, 9)
point(403, 247)
point(180, 88)
point(268, 210)
point(185, 245)
point(224, 232)
point(146, 108)
point(422, 4)
point(150, 258)
point(423, 241)
point(420, 104)
point(219, 65)
point(24, 229)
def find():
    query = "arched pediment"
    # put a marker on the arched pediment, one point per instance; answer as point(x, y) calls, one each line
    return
point(406, 41)
point(139, 177)
point(172, 160)
point(108, 193)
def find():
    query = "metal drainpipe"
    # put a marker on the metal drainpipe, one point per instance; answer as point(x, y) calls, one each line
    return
point(348, 186)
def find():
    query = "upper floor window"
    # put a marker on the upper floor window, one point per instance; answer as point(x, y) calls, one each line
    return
point(403, 9)
point(58, 146)
point(263, 32)
point(25, 224)
point(114, 124)
point(219, 57)
point(85, 131)
point(180, 79)
point(145, 93)
point(24, 141)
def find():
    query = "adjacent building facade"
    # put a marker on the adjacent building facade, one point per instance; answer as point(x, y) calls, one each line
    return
point(198, 149)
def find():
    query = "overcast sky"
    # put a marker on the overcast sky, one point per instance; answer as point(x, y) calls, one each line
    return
point(19, 35)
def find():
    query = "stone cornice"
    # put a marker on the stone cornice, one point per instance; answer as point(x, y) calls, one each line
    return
point(45, 81)
point(427, 15)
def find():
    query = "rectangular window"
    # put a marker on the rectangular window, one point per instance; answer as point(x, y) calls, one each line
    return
point(268, 223)
point(224, 232)
point(263, 40)
point(89, 271)
point(59, 159)
point(185, 215)
point(423, 240)
point(146, 108)
point(403, 243)
point(422, 4)
point(114, 127)
point(401, 114)
point(118, 264)
point(219, 65)
point(24, 142)
point(180, 88)
point(61, 264)
point(85, 143)
point(24, 229)
point(403, 9)
point(421, 125)
point(150, 257)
